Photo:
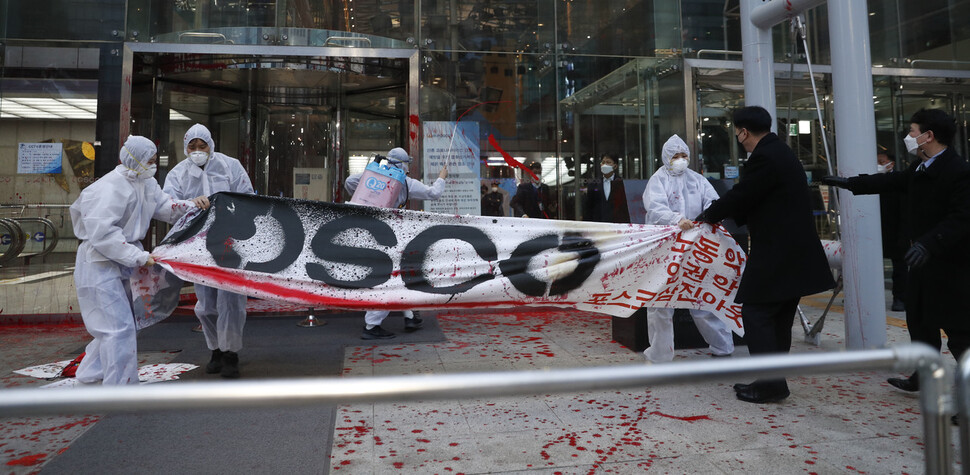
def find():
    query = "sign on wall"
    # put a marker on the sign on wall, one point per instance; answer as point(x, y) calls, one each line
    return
point(39, 157)
point(310, 184)
point(455, 145)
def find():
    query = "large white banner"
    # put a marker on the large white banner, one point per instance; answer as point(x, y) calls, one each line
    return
point(358, 257)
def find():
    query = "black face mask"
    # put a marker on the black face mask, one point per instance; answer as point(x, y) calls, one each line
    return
point(738, 140)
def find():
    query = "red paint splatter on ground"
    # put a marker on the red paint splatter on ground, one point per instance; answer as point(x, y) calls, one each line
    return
point(688, 418)
point(28, 461)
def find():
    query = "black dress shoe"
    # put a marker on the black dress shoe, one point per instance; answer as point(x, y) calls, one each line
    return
point(898, 305)
point(955, 419)
point(906, 384)
point(742, 387)
point(758, 396)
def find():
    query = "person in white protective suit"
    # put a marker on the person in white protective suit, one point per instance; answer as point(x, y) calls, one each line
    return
point(413, 190)
point(674, 195)
point(110, 219)
point(222, 313)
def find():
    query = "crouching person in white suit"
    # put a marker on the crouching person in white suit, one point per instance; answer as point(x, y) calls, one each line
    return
point(674, 195)
point(110, 218)
point(222, 313)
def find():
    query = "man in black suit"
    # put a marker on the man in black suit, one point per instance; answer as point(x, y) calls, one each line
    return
point(533, 199)
point(786, 260)
point(606, 198)
point(937, 226)
point(893, 245)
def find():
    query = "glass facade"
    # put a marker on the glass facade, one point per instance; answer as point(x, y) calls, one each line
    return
point(293, 85)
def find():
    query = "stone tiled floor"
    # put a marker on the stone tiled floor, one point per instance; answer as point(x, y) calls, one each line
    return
point(831, 424)
point(843, 423)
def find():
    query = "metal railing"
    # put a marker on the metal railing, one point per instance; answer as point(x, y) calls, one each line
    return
point(18, 240)
point(963, 407)
point(934, 400)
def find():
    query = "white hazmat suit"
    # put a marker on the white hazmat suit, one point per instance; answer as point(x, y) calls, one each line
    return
point(110, 218)
point(222, 313)
point(673, 194)
point(414, 190)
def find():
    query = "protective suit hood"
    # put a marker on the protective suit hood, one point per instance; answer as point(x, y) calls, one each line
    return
point(670, 197)
point(673, 146)
point(399, 158)
point(198, 131)
point(135, 154)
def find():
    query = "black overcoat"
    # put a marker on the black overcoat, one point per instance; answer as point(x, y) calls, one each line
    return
point(937, 215)
point(786, 259)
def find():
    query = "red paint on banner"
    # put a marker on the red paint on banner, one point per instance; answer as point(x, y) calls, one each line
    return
point(238, 281)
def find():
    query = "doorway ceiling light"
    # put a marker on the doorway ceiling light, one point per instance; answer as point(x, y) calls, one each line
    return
point(50, 108)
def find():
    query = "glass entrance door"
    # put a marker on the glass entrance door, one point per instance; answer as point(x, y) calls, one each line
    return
point(299, 124)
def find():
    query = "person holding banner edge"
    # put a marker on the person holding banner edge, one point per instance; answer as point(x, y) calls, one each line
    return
point(413, 190)
point(936, 227)
point(110, 218)
point(786, 260)
point(222, 313)
point(673, 193)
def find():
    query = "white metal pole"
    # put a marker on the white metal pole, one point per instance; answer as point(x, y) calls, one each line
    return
point(855, 124)
point(758, 61)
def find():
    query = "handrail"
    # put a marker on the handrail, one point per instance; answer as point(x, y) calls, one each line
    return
point(913, 62)
point(50, 239)
point(202, 34)
point(718, 51)
point(345, 38)
point(963, 406)
point(311, 391)
point(16, 243)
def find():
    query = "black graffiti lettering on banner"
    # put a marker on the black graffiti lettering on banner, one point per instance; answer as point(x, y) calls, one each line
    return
point(516, 267)
point(589, 256)
point(228, 228)
point(324, 247)
point(416, 252)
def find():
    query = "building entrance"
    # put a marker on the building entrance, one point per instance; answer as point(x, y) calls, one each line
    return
point(298, 122)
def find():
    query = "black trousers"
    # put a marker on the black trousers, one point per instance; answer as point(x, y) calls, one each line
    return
point(767, 329)
point(900, 274)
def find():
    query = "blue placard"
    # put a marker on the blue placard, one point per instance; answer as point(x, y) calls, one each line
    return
point(39, 157)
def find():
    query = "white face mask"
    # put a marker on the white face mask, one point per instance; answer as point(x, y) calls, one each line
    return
point(147, 173)
point(199, 157)
point(912, 145)
point(606, 169)
point(494, 189)
point(143, 172)
point(678, 165)
point(882, 168)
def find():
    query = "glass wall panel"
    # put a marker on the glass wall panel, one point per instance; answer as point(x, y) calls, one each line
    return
point(497, 25)
point(48, 105)
point(614, 27)
point(281, 22)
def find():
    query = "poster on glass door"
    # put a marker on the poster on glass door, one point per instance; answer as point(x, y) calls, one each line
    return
point(455, 145)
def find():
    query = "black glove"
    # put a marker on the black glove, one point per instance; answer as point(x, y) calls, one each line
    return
point(836, 181)
point(917, 255)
